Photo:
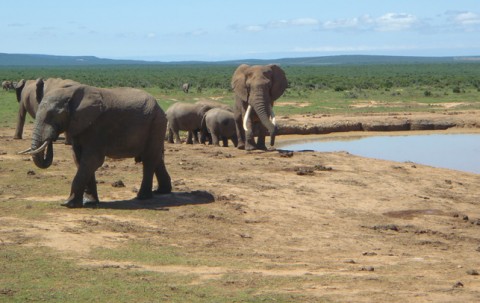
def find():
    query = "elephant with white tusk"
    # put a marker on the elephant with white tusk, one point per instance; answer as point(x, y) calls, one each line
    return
point(256, 88)
point(118, 123)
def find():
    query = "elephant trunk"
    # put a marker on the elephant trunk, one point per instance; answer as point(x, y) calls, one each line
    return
point(265, 113)
point(41, 158)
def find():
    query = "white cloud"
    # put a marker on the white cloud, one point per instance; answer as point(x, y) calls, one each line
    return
point(254, 28)
point(282, 23)
point(387, 22)
point(304, 21)
point(466, 19)
point(395, 22)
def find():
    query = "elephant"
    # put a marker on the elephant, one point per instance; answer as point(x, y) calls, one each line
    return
point(116, 122)
point(187, 117)
point(185, 87)
point(221, 125)
point(215, 104)
point(256, 88)
point(7, 85)
point(30, 93)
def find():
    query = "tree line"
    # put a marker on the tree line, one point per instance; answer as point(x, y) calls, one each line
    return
point(457, 76)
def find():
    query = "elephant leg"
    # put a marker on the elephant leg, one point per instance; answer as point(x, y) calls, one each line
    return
point(195, 134)
point(189, 137)
point(22, 113)
point(145, 191)
point(163, 179)
point(250, 144)
point(177, 137)
point(90, 196)
point(261, 138)
point(170, 136)
point(225, 141)
point(234, 140)
point(84, 180)
point(80, 184)
point(215, 140)
point(239, 129)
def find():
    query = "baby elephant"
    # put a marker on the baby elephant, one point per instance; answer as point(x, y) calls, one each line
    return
point(221, 125)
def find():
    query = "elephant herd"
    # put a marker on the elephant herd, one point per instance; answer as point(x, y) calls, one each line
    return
point(129, 123)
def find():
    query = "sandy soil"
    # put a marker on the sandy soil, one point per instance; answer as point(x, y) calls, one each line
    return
point(369, 230)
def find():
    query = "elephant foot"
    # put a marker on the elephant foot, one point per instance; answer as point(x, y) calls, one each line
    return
point(241, 146)
point(144, 195)
point(250, 146)
point(90, 201)
point(17, 137)
point(162, 191)
point(73, 203)
point(262, 147)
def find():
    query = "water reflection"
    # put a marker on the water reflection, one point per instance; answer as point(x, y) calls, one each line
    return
point(454, 151)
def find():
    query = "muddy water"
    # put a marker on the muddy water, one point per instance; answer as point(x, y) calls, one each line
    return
point(453, 151)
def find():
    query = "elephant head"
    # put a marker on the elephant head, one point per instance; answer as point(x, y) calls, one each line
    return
point(72, 110)
point(258, 87)
point(37, 87)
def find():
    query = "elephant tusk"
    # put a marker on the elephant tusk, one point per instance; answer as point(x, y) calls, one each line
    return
point(247, 116)
point(24, 151)
point(272, 118)
point(38, 150)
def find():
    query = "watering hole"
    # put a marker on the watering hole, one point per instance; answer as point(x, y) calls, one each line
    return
point(452, 151)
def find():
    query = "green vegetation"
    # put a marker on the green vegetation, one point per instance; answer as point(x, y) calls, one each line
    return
point(312, 89)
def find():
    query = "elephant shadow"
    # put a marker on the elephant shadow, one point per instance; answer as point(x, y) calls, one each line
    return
point(160, 202)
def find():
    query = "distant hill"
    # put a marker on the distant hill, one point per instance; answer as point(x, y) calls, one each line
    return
point(51, 60)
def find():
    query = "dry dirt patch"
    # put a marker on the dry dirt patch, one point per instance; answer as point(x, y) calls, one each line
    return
point(364, 230)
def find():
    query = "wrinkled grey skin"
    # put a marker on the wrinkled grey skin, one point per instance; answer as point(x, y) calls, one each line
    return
point(30, 94)
point(258, 86)
point(185, 87)
point(221, 126)
point(117, 123)
point(186, 117)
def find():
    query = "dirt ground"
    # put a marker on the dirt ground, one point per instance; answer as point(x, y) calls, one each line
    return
point(357, 229)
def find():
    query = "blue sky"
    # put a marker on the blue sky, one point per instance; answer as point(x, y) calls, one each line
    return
point(215, 30)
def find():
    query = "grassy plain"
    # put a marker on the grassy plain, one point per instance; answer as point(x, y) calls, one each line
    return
point(312, 89)
point(213, 252)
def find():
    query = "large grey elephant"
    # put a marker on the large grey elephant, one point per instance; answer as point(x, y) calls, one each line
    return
point(118, 123)
point(221, 126)
point(187, 117)
point(256, 88)
point(30, 94)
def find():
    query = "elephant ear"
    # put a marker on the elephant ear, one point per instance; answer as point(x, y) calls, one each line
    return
point(19, 88)
point(39, 89)
point(279, 82)
point(239, 82)
point(85, 106)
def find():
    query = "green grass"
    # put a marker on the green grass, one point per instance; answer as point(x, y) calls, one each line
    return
point(41, 275)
